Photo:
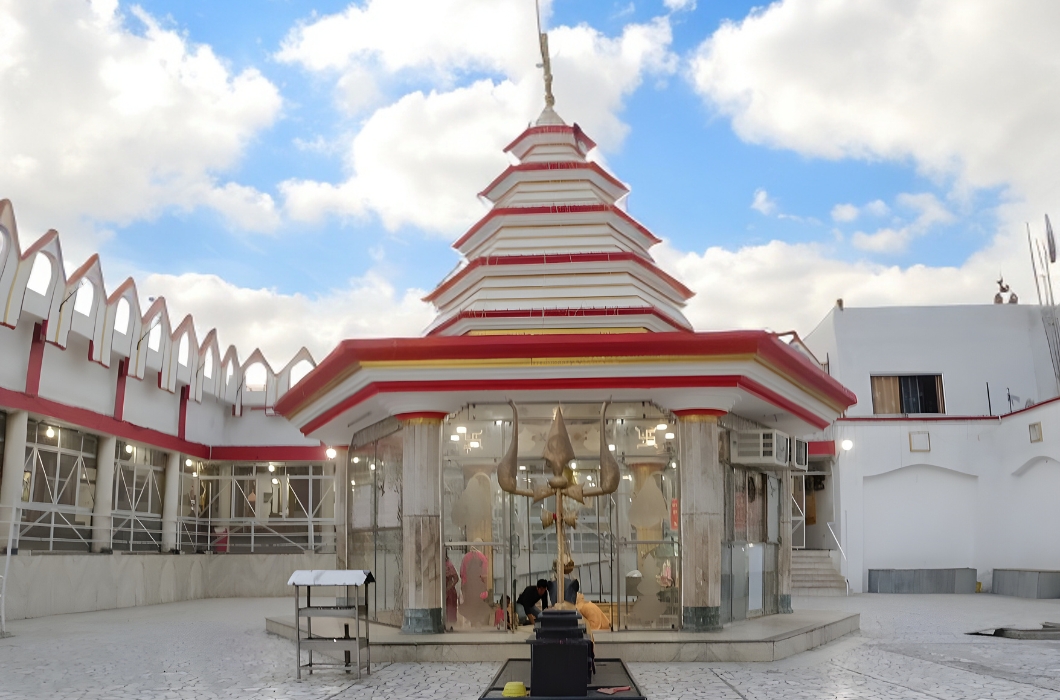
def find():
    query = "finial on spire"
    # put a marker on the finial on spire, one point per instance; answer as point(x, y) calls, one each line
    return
point(546, 63)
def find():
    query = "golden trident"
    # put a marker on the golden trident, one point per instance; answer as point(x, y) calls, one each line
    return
point(558, 454)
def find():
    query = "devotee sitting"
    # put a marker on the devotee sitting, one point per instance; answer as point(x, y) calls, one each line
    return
point(526, 605)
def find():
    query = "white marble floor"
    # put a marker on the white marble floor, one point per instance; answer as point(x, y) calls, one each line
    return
point(910, 647)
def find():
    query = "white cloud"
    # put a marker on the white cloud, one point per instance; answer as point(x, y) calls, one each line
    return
point(929, 212)
point(680, 5)
point(106, 125)
point(844, 213)
point(877, 207)
point(762, 203)
point(280, 324)
point(243, 207)
point(419, 158)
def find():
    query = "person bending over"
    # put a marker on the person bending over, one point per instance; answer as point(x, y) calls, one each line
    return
point(526, 605)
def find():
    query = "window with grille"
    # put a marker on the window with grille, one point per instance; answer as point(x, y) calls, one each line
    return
point(907, 393)
point(58, 488)
point(139, 485)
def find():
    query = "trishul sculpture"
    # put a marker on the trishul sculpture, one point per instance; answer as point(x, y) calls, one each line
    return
point(558, 455)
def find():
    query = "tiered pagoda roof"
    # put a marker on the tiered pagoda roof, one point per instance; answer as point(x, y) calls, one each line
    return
point(557, 253)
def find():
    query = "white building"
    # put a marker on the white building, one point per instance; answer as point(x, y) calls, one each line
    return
point(954, 445)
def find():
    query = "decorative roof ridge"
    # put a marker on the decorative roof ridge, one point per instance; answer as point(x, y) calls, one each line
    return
point(557, 312)
point(554, 165)
point(555, 209)
point(558, 259)
point(580, 137)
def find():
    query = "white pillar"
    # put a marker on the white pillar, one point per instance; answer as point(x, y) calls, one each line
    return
point(14, 466)
point(421, 524)
point(702, 521)
point(171, 503)
point(104, 500)
point(784, 563)
point(342, 495)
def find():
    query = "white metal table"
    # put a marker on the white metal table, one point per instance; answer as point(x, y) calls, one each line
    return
point(349, 645)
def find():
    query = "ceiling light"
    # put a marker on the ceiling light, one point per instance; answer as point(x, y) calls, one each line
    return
point(847, 444)
point(669, 436)
point(627, 477)
point(356, 460)
point(50, 432)
point(573, 465)
point(454, 438)
point(661, 426)
point(372, 467)
point(353, 482)
point(499, 422)
point(461, 429)
point(272, 467)
point(611, 447)
point(474, 443)
point(589, 477)
point(195, 475)
point(331, 453)
point(275, 480)
point(673, 465)
point(522, 467)
point(188, 463)
point(129, 449)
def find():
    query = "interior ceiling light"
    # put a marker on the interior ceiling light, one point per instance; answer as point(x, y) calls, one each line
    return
point(461, 429)
point(275, 480)
point(611, 447)
point(669, 436)
point(454, 438)
point(331, 453)
point(129, 449)
point(272, 467)
point(356, 460)
point(474, 443)
point(50, 432)
point(188, 463)
point(661, 426)
point(847, 444)
point(522, 467)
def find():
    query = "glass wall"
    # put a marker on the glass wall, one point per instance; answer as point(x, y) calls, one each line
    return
point(625, 546)
point(139, 485)
point(58, 488)
point(751, 550)
point(268, 507)
point(375, 523)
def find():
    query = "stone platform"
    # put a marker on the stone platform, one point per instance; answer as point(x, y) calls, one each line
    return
point(768, 638)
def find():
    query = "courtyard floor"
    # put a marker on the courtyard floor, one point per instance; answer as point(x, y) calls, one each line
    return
point(909, 647)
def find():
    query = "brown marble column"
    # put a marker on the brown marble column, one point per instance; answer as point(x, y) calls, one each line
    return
point(702, 519)
point(421, 522)
point(784, 558)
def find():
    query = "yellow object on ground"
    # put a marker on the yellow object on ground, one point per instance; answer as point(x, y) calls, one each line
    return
point(514, 689)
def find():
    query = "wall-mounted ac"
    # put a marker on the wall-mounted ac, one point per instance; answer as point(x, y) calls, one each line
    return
point(800, 454)
point(760, 448)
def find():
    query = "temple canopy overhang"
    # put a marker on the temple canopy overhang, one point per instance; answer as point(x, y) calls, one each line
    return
point(752, 373)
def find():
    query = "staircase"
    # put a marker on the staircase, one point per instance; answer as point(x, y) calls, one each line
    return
point(812, 574)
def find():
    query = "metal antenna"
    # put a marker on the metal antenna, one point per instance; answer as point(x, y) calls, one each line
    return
point(546, 63)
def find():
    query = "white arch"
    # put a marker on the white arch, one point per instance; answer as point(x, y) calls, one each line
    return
point(85, 295)
point(182, 351)
point(121, 316)
point(256, 377)
point(40, 276)
point(300, 370)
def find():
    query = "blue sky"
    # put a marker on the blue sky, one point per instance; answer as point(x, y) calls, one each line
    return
point(710, 167)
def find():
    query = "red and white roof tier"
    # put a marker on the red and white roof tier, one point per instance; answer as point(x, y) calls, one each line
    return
point(557, 252)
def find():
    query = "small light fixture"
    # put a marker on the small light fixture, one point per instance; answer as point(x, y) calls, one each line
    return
point(661, 426)
point(356, 460)
point(589, 477)
point(573, 465)
point(750, 544)
point(669, 436)
point(474, 443)
point(195, 475)
point(353, 482)
point(611, 447)
point(627, 477)
point(129, 449)
point(272, 468)
point(50, 432)
point(673, 465)
point(847, 445)
point(331, 453)
point(499, 422)
point(522, 467)
point(188, 463)
point(461, 429)
point(275, 480)
point(372, 467)
point(454, 438)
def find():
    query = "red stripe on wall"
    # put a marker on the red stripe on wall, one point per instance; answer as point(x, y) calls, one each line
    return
point(119, 389)
point(182, 416)
point(821, 448)
point(36, 358)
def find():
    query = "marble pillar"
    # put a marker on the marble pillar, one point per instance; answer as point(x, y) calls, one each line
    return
point(784, 555)
point(11, 480)
point(171, 503)
point(343, 495)
point(103, 503)
point(421, 523)
point(702, 521)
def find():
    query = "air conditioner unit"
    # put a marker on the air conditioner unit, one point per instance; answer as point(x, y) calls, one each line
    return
point(800, 454)
point(760, 448)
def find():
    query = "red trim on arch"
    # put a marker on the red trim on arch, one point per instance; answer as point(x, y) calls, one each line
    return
point(565, 384)
point(555, 209)
point(559, 313)
point(716, 412)
point(36, 358)
point(553, 165)
point(561, 259)
point(821, 448)
point(438, 415)
point(119, 389)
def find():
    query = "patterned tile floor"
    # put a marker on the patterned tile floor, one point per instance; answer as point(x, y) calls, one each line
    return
point(910, 647)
